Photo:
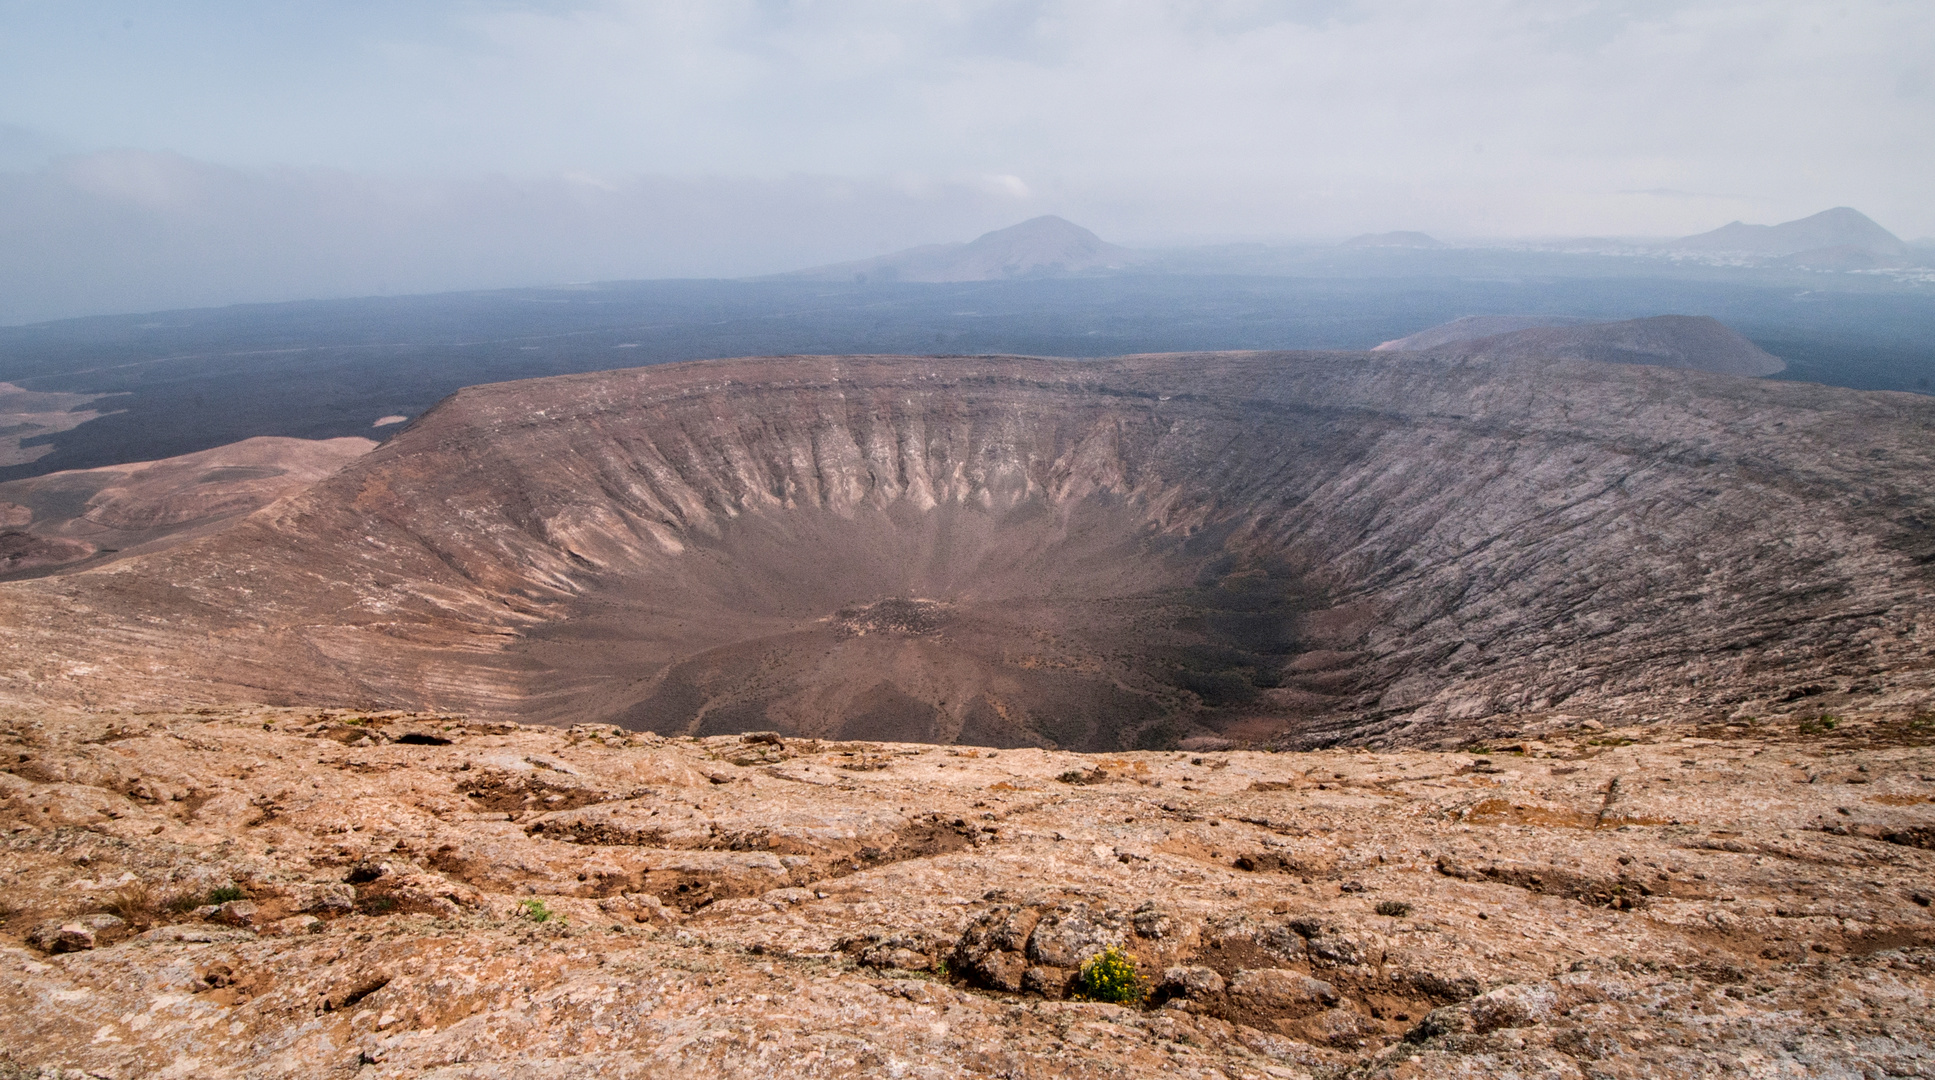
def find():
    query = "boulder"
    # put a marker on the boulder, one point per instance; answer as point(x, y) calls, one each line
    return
point(238, 913)
point(75, 935)
point(1194, 983)
point(1068, 937)
point(897, 953)
point(1512, 1005)
point(1237, 934)
point(1279, 992)
point(1153, 921)
point(1334, 946)
point(321, 897)
point(992, 949)
point(1333, 1027)
point(1049, 982)
point(295, 926)
point(1003, 970)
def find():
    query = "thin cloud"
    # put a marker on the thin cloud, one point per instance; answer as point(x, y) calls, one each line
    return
point(132, 230)
point(1151, 121)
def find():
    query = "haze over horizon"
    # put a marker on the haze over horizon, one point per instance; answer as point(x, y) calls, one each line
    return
point(155, 157)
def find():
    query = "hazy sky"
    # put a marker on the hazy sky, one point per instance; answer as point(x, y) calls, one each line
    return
point(850, 127)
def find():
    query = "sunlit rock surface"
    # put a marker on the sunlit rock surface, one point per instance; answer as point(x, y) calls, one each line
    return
point(283, 893)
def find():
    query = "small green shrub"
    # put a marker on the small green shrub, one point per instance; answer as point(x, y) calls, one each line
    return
point(1110, 975)
point(223, 895)
point(1396, 909)
point(1819, 725)
point(535, 911)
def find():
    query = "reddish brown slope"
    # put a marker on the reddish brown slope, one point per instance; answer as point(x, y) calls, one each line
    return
point(1090, 554)
point(83, 517)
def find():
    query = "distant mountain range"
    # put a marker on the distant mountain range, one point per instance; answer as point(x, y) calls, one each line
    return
point(1046, 246)
point(1050, 247)
point(1840, 239)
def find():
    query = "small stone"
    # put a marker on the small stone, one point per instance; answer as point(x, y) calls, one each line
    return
point(296, 926)
point(237, 913)
point(75, 935)
point(62, 937)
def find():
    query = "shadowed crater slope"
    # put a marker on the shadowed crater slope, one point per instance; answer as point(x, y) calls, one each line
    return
point(1302, 547)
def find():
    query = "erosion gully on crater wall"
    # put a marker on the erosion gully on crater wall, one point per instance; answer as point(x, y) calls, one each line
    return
point(1303, 548)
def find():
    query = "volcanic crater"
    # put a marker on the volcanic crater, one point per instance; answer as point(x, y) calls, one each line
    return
point(1293, 548)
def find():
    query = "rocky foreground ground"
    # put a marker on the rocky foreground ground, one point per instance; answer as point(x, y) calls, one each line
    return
point(273, 893)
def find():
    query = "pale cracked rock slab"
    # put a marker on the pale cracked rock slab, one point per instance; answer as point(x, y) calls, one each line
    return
point(1644, 900)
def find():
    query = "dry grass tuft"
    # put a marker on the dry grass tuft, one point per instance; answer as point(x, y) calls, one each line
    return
point(134, 903)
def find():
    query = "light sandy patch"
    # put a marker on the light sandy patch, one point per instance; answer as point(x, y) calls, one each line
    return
point(25, 414)
point(142, 506)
